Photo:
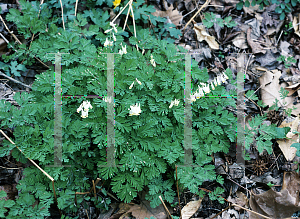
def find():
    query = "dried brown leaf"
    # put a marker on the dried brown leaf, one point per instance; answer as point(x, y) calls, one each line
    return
point(190, 209)
point(203, 35)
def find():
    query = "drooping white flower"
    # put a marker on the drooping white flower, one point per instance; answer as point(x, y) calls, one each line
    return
point(140, 83)
point(206, 89)
point(225, 76)
point(84, 108)
point(219, 80)
point(106, 43)
point(174, 102)
point(109, 100)
point(212, 86)
point(193, 98)
point(215, 82)
point(123, 50)
point(131, 85)
point(135, 109)
point(152, 61)
point(114, 37)
point(114, 27)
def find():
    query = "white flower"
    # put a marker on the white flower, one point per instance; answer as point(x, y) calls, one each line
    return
point(114, 37)
point(84, 108)
point(212, 86)
point(114, 27)
point(123, 50)
point(221, 78)
point(152, 61)
point(135, 110)
point(206, 89)
point(215, 82)
point(193, 98)
point(131, 85)
point(225, 76)
point(107, 100)
point(138, 81)
point(106, 43)
point(218, 80)
point(174, 102)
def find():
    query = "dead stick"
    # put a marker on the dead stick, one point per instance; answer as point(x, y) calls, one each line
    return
point(14, 80)
point(165, 206)
point(205, 4)
point(178, 192)
point(251, 211)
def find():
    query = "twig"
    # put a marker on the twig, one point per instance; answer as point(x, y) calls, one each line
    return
point(76, 7)
point(14, 80)
point(251, 211)
point(19, 41)
point(10, 31)
point(255, 104)
point(4, 38)
point(178, 192)
point(126, 19)
point(151, 26)
point(279, 37)
point(62, 14)
point(87, 214)
point(206, 190)
point(221, 212)
point(121, 12)
point(11, 168)
point(192, 10)
point(205, 4)
point(165, 206)
point(34, 165)
point(133, 19)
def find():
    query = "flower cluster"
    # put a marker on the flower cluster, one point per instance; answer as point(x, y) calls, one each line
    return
point(84, 108)
point(108, 42)
point(152, 61)
point(123, 50)
point(135, 110)
point(205, 87)
point(174, 102)
point(140, 83)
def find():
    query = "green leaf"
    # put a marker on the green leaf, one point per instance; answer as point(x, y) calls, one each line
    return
point(281, 132)
point(2, 194)
point(247, 3)
point(297, 146)
point(239, 6)
point(270, 184)
point(15, 68)
point(282, 16)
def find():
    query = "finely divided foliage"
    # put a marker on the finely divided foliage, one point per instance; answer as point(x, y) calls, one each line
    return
point(149, 136)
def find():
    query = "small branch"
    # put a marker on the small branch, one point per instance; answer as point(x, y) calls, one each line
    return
point(62, 14)
point(14, 80)
point(165, 206)
point(76, 7)
point(205, 4)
